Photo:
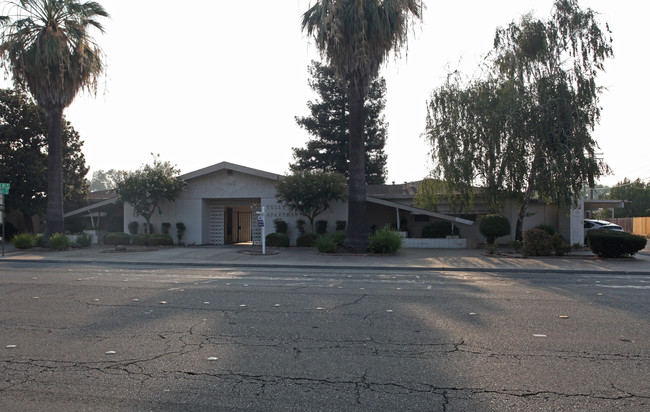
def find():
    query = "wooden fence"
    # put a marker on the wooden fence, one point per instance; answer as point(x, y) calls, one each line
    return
point(636, 225)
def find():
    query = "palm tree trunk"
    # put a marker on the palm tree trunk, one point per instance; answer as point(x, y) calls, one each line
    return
point(356, 237)
point(54, 213)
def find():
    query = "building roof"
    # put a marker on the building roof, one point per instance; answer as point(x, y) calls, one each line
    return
point(230, 166)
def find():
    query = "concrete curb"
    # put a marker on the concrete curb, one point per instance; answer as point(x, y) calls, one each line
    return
point(328, 267)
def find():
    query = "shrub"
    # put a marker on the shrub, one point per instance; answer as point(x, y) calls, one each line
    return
point(180, 231)
point(327, 244)
point(23, 241)
point(84, 240)
point(439, 229)
point(339, 237)
point(39, 240)
point(160, 240)
point(140, 239)
point(133, 227)
point(321, 227)
point(547, 228)
point(117, 238)
point(560, 246)
point(300, 225)
point(609, 243)
point(385, 241)
point(307, 240)
point(341, 224)
point(280, 226)
point(491, 248)
point(494, 226)
point(516, 245)
point(277, 240)
point(164, 228)
point(59, 241)
point(537, 242)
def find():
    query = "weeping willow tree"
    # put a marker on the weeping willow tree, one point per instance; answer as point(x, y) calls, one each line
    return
point(46, 47)
point(524, 127)
point(356, 37)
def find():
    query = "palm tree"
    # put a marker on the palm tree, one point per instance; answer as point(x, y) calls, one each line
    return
point(46, 47)
point(356, 37)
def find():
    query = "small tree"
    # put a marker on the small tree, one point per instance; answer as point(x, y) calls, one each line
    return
point(310, 192)
point(494, 226)
point(146, 188)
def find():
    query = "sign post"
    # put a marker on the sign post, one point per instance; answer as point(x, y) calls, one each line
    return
point(4, 190)
point(260, 221)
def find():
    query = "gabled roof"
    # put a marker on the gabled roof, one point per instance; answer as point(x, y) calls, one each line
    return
point(230, 166)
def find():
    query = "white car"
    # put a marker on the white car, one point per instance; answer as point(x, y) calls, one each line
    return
point(591, 224)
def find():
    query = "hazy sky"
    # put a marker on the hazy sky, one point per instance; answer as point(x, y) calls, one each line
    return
point(200, 82)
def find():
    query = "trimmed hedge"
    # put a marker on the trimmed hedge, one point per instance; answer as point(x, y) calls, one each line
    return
point(494, 226)
point(277, 240)
point(140, 239)
point(117, 238)
point(611, 244)
point(307, 240)
point(160, 240)
point(439, 230)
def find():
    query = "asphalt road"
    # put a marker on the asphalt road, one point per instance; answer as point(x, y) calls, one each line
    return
point(107, 338)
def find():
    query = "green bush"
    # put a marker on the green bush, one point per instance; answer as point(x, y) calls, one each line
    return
point(160, 240)
point(321, 227)
point(164, 228)
point(300, 225)
point(307, 240)
point(439, 229)
point(494, 226)
point(341, 224)
point(339, 237)
point(327, 244)
point(180, 231)
point(133, 227)
point(560, 245)
point(39, 240)
point(491, 248)
point(59, 241)
point(547, 228)
point(516, 245)
point(277, 240)
point(385, 241)
point(117, 238)
point(84, 240)
point(280, 226)
point(23, 241)
point(609, 243)
point(141, 239)
point(537, 242)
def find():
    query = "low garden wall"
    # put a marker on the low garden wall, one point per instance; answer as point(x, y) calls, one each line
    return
point(415, 243)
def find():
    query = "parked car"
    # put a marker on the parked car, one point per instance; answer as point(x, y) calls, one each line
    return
point(593, 224)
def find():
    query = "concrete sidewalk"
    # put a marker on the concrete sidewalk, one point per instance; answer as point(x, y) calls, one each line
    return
point(405, 259)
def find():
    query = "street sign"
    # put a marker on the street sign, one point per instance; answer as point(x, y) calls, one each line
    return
point(4, 188)
point(260, 221)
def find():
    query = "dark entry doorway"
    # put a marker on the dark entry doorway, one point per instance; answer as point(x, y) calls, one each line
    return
point(238, 225)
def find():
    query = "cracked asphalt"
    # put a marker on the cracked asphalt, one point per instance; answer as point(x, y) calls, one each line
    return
point(112, 337)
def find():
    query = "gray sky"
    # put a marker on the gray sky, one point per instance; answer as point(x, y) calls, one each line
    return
point(200, 82)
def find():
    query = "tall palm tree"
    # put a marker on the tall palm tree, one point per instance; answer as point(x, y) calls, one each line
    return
point(356, 37)
point(46, 46)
